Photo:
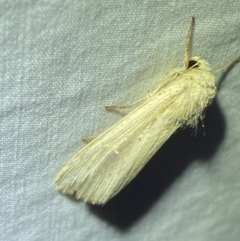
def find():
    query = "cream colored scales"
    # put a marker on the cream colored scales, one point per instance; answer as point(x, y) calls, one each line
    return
point(109, 162)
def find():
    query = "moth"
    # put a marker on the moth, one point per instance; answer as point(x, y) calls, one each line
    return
point(110, 161)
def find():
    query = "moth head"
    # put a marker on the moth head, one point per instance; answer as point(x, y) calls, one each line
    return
point(198, 63)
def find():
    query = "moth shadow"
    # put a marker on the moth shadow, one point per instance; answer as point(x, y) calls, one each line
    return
point(135, 200)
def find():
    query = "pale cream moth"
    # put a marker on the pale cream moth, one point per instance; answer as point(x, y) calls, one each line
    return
point(110, 161)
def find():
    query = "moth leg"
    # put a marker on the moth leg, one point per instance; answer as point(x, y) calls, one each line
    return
point(88, 140)
point(188, 54)
point(114, 107)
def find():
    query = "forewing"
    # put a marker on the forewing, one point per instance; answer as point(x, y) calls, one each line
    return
point(108, 163)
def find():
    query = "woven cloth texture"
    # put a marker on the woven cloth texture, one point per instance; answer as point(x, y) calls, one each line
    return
point(61, 62)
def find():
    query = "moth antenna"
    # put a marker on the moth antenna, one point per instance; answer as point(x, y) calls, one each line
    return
point(225, 66)
point(188, 49)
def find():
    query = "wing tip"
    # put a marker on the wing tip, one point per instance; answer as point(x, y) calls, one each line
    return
point(80, 196)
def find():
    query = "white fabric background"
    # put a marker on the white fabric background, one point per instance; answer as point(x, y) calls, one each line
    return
point(61, 62)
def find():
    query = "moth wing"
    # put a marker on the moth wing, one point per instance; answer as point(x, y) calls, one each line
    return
point(109, 162)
